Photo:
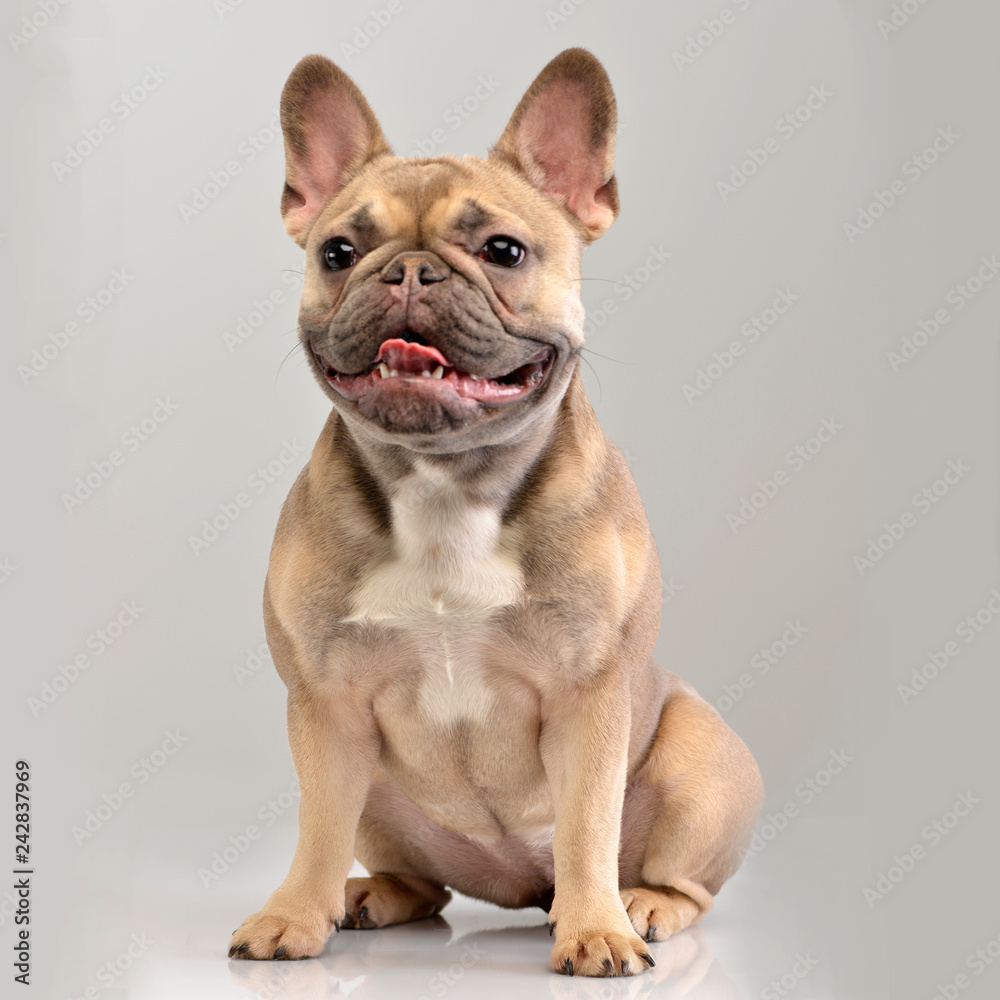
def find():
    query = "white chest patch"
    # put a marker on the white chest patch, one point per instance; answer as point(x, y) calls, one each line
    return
point(451, 569)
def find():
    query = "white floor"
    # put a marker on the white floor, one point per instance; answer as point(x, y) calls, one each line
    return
point(474, 951)
point(751, 939)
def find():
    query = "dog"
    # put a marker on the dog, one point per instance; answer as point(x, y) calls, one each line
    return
point(463, 593)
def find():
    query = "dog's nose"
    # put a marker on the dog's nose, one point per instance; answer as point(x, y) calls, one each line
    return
point(412, 268)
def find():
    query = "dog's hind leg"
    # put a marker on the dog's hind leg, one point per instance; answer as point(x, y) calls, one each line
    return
point(402, 884)
point(688, 818)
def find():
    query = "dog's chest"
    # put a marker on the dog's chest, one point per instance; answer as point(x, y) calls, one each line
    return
point(452, 568)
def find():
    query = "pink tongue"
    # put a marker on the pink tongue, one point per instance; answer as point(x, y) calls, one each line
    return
point(403, 356)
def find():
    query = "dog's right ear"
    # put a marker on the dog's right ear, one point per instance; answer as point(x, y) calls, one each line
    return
point(330, 133)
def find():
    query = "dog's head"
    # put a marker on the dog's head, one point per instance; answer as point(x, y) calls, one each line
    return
point(441, 306)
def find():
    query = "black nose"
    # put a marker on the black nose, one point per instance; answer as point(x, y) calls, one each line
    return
point(413, 267)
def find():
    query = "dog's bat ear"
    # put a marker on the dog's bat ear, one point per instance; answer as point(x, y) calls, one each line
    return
point(562, 138)
point(330, 133)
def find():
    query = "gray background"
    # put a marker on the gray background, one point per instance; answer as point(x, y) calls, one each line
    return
point(186, 664)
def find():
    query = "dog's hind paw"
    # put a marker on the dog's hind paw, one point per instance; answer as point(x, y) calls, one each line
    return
point(390, 899)
point(656, 914)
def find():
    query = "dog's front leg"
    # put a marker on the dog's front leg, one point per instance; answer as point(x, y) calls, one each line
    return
point(584, 747)
point(335, 746)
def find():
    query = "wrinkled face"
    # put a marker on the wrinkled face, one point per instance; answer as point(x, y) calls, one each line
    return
point(441, 306)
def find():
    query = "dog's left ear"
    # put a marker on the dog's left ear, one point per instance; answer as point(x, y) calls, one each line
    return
point(330, 133)
point(562, 138)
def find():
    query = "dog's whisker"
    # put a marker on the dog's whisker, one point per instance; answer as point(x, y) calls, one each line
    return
point(295, 347)
point(600, 388)
point(606, 357)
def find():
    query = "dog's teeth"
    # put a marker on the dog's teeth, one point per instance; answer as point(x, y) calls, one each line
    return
point(425, 374)
point(383, 370)
point(438, 372)
point(393, 372)
point(475, 378)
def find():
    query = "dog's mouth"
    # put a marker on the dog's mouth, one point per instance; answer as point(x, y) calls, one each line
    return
point(408, 367)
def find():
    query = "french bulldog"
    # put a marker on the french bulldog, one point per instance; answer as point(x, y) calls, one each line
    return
point(463, 593)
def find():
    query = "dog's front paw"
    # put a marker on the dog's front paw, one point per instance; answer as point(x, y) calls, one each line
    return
point(593, 952)
point(274, 933)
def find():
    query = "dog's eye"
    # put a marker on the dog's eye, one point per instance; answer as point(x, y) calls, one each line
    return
point(338, 254)
point(503, 251)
